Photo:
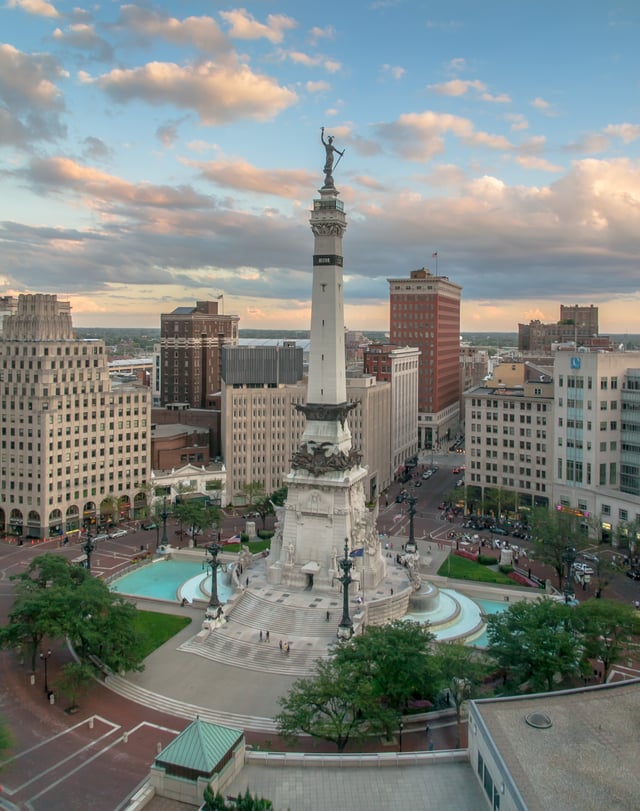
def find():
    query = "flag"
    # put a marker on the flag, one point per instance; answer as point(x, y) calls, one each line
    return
point(357, 553)
point(434, 255)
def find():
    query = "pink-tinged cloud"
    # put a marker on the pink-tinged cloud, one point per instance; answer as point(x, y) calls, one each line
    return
point(218, 93)
point(517, 121)
point(457, 87)
point(40, 8)
point(27, 80)
point(420, 136)
point(244, 26)
point(64, 173)
point(203, 33)
point(83, 37)
point(535, 162)
point(627, 132)
point(241, 175)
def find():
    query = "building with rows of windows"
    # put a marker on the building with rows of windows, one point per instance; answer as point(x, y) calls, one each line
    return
point(509, 438)
point(597, 448)
point(75, 449)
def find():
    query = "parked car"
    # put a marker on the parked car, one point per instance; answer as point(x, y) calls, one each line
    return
point(499, 530)
point(456, 471)
point(427, 474)
point(149, 525)
point(460, 483)
point(590, 556)
point(118, 533)
point(102, 537)
point(634, 574)
point(417, 483)
point(582, 568)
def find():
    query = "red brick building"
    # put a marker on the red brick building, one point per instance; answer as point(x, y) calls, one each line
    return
point(425, 313)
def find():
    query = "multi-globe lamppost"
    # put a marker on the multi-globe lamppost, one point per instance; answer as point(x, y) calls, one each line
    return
point(89, 546)
point(411, 546)
point(345, 629)
point(164, 515)
point(45, 658)
point(215, 606)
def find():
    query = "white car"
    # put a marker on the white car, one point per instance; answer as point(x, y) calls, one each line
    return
point(119, 533)
point(582, 568)
point(427, 474)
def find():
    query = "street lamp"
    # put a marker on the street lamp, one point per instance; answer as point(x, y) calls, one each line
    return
point(215, 606)
point(569, 558)
point(164, 515)
point(400, 728)
point(345, 629)
point(45, 658)
point(411, 546)
point(88, 547)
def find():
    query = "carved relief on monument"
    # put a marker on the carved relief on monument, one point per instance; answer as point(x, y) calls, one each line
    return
point(314, 502)
point(314, 458)
point(328, 229)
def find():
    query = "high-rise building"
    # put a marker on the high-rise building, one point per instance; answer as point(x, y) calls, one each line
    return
point(509, 439)
point(75, 449)
point(597, 458)
point(399, 367)
point(425, 313)
point(191, 341)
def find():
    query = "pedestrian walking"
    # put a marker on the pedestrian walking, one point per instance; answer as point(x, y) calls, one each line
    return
point(328, 615)
point(426, 729)
point(246, 582)
point(280, 644)
point(260, 636)
point(268, 636)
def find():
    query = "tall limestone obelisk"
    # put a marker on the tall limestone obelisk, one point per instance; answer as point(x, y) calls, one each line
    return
point(326, 497)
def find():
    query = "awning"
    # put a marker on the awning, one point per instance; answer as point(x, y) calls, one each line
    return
point(311, 567)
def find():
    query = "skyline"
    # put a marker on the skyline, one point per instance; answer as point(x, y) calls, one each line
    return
point(161, 153)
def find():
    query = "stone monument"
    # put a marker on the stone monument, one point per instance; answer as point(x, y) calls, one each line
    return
point(326, 501)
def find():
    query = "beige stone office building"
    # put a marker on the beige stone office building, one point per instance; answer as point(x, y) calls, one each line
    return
point(509, 436)
point(74, 448)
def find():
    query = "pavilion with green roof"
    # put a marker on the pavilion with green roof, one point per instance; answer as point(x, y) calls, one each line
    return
point(202, 754)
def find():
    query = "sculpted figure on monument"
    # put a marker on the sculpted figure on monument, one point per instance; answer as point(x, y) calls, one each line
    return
point(328, 163)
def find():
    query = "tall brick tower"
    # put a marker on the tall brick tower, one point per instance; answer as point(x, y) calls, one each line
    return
point(326, 496)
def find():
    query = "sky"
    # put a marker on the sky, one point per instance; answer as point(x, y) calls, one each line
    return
point(155, 154)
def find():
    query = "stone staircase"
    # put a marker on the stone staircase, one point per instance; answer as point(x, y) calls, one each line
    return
point(305, 630)
point(171, 706)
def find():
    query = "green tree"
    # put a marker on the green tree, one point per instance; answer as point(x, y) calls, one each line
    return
point(253, 491)
point(57, 599)
point(462, 669)
point(264, 507)
point(396, 660)
point(553, 532)
point(196, 516)
point(334, 704)
point(76, 678)
point(535, 644)
point(279, 496)
point(608, 628)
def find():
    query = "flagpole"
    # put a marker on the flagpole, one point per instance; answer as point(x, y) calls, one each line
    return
point(435, 256)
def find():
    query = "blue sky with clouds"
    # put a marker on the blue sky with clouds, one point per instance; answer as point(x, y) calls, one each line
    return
point(153, 154)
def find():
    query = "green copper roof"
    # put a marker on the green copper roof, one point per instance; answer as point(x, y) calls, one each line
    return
point(201, 746)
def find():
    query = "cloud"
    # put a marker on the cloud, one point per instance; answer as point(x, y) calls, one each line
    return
point(218, 93)
point(590, 144)
point(32, 101)
point(96, 149)
point(543, 106)
point(517, 120)
point(420, 136)
point(457, 64)
point(626, 132)
point(203, 33)
point(394, 71)
point(244, 26)
point(317, 87)
point(501, 98)
point(57, 174)
point(83, 37)
point(457, 87)
point(317, 33)
point(241, 175)
point(534, 162)
point(38, 7)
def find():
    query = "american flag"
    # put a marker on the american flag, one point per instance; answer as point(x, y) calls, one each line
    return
point(434, 255)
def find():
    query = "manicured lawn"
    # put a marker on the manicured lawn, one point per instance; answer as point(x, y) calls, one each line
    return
point(465, 569)
point(157, 628)
point(254, 546)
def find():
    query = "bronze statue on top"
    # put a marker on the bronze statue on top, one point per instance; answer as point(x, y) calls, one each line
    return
point(328, 164)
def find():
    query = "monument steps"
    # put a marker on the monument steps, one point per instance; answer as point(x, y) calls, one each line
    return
point(259, 613)
point(223, 647)
point(182, 709)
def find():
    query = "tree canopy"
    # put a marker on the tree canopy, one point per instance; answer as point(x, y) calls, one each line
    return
point(607, 629)
point(553, 532)
point(535, 643)
point(57, 599)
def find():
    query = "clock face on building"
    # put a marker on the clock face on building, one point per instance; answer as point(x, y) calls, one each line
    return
point(575, 363)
